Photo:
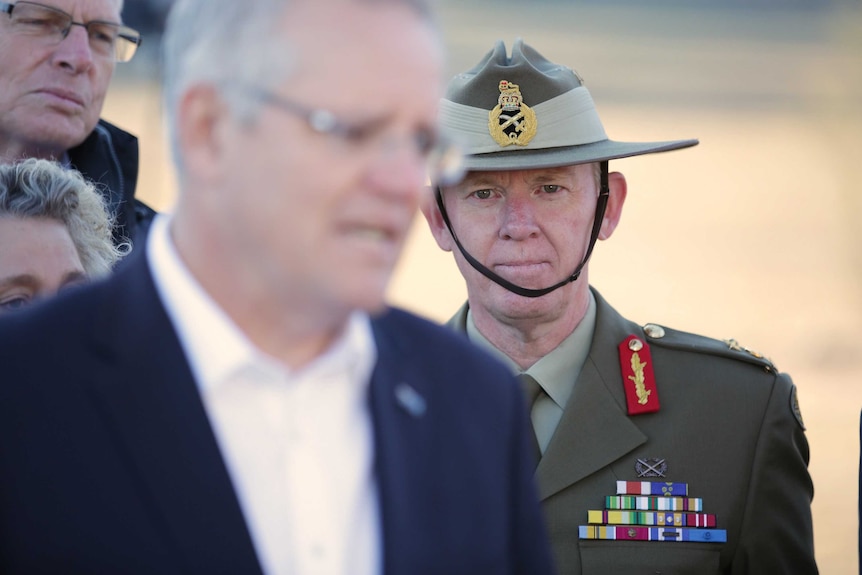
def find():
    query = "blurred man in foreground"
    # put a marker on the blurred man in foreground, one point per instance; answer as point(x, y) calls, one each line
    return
point(265, 412)
point(659, 451)
point(56, 61)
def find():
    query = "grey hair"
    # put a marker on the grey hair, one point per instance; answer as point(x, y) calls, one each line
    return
point(229, 44)
point(35, 188)
point(223, 43)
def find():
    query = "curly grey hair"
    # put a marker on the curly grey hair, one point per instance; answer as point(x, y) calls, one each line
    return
point(35, 188)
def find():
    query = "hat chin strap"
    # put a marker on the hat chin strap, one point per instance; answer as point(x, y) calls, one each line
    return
point(601, 205)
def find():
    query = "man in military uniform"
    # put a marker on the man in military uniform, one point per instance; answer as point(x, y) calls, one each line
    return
point(659, 451)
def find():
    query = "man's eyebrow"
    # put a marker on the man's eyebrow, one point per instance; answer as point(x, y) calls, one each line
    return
point(27, 280)
point(552, 174)
point(74, 276)
point(478, 180)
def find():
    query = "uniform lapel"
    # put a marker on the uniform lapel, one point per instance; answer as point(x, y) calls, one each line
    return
point(593, 432)
point(595, 429)
point(151, 405)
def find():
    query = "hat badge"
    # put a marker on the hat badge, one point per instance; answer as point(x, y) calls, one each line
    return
point(511, 121)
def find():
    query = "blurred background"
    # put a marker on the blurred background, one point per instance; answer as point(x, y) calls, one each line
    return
point(754, 234)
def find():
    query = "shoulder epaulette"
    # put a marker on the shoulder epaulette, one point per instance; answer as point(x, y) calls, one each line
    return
point(729, 348)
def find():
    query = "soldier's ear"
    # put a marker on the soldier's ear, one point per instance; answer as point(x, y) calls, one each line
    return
point(613, 212)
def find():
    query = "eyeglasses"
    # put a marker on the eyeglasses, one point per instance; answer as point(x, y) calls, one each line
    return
point(107, 39)
point(444, 160)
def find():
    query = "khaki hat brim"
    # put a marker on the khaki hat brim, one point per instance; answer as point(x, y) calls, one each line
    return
point(521, 159)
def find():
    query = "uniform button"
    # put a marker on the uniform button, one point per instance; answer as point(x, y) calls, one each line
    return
point(636, 345)
point(654, 331)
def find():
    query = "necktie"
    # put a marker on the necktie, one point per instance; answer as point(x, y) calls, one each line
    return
point(532, 390)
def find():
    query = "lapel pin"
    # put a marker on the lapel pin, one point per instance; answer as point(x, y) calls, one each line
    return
point(410, 400)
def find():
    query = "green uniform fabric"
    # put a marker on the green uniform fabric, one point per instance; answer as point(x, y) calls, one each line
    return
point(728, 426)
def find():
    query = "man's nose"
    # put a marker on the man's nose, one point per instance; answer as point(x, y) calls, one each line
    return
point(519, 217)
point(73, 52)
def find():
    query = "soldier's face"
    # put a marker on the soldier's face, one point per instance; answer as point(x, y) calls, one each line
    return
point(531, 227)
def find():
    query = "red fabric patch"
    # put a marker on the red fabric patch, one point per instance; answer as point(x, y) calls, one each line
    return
point(638, 376)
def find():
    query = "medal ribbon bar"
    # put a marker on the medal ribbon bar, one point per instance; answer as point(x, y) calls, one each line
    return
point(629, 533)
point(653, 503)
point(657, 518)
point(652, 488)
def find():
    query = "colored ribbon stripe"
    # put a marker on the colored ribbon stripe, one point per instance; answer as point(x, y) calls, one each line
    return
point(652, 488)
point(630, 533)
point(660, 518)
point(653, 503)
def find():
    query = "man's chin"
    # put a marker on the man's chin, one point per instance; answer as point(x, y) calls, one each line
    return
point(60, 133)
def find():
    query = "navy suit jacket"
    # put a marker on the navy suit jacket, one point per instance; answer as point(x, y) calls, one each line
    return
point(108, 463)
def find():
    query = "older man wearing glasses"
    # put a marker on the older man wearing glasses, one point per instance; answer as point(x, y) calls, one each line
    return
point(57, 60)
point(265, 411)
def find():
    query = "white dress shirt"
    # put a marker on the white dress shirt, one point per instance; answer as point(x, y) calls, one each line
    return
point(298, 444)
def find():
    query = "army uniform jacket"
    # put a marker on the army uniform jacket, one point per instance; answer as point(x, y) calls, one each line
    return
point(728, 426)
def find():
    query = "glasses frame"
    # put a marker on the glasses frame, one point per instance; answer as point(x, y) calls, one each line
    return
point(437, 151)
point(319, 120)
point(124, 33)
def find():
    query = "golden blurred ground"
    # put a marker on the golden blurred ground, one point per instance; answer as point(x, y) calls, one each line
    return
point(754, 234)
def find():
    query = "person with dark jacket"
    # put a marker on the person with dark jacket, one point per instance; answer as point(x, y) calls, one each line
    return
point(292, 422)
point(109, 157)
point(53, 79)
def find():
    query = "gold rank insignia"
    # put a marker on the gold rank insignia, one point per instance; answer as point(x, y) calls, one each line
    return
point(736, 346)
point(511, 121)
point(638, 377)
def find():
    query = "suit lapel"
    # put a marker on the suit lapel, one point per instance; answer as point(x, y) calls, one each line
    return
point(151, 404)
point(595, 429)
point(399, 398)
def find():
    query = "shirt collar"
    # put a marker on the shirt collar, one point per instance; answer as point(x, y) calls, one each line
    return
point(216, 347)
point(557, 371)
